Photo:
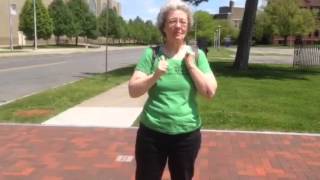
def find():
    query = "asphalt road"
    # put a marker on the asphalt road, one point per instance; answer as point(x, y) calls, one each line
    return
point(22, 76)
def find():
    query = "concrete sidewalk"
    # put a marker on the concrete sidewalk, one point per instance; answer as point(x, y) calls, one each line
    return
point(113, 108)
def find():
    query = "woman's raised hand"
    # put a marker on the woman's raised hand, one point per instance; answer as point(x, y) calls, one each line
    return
point(162, 67)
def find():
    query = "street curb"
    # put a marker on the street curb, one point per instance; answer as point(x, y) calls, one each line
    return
point(60, 51)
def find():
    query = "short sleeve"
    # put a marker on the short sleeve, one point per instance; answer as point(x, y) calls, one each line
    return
point(145, 62)
point(202, 63)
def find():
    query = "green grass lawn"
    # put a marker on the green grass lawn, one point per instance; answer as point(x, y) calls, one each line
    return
point(40, 107)
point(221, 53)
point(266, 97)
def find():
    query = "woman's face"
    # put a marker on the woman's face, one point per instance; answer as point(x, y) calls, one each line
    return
point(176, 25)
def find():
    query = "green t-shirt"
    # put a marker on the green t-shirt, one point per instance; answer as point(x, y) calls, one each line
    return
point(171, 107)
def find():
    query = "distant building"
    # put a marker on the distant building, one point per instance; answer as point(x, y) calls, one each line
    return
point(96, 6)
point(231, 13)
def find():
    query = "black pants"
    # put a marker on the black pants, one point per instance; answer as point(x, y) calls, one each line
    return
point(153, 149)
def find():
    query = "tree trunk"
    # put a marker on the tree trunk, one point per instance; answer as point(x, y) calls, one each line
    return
point(58, 40)
point(77, 38)
point(285, 43)
point(244, 41)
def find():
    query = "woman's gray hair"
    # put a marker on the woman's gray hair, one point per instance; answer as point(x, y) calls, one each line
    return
point(173, 5)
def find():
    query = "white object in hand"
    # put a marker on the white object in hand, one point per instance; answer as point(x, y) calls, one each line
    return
point(190, 52)
point(162, 58)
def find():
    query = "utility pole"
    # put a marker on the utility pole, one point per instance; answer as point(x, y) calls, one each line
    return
point(216, 34)
point(107, 20)
point(35, 25)
point(195, 29)
point(214, 39)
point(195, 24)
point(11, 12)
point(219, 36)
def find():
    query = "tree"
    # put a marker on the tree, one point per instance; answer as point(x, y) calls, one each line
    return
point(196, 2)
point(243, 50)
point(120, 27)
point(138, 29)
point(288, 19)
point(61, 26)
point(79, 10)
point(26, 20)
point(90, 26)
point(153, 35)
point(44, 22)
point(227, 29)
point(263, 32)
point(102, 22)
point(244, 41)
point(130, 31)
point(205, 25)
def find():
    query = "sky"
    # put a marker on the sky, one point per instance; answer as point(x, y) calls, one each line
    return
point(148, 9)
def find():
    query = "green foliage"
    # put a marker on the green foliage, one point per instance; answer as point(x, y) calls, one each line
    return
point(286, 18)
point(227, 29)
point(62, 18)
point(207, 26)
point(204, 25)
point(155, 36)
point(26, 20)
point(196, 2)
point(120, 28)
point(142, 32)
point(79, 10)
point(262, 27)
point(44, 22)
point(112, 21)
point(90, 26)
point(116, 27)
point(74, 19)
point(137, 29)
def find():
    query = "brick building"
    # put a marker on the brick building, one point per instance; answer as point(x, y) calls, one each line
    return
point(231, 13)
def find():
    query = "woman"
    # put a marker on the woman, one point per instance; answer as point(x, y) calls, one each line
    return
point(170, 123)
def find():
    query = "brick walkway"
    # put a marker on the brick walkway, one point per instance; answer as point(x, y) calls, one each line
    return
point(66, 153)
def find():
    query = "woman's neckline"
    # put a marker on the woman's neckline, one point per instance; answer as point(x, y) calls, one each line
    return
point(178, 56)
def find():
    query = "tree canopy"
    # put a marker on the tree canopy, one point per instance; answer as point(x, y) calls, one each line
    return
point(74, 19)
point(196, 2)
point(61, 26)
point(286, 18)
point(44, 22)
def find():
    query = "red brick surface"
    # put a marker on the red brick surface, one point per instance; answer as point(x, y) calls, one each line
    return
point(66, 153)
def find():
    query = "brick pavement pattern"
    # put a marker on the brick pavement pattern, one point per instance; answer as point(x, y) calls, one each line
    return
point(69, 153)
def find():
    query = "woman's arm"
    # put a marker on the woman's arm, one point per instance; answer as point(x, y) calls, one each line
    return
point(140, 82)
point(206, 84)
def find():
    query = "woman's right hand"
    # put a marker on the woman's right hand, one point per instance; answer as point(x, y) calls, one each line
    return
point(162, 67)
